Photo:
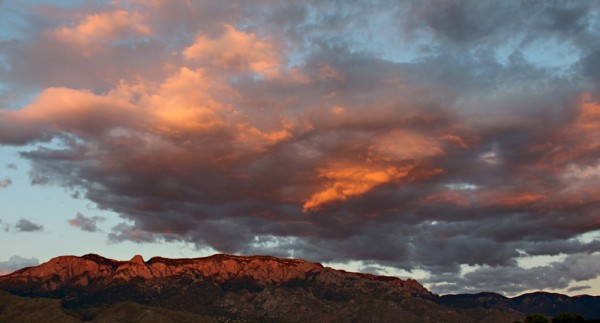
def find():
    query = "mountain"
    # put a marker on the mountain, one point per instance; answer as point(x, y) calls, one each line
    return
point(541, 302)
point(236, 288)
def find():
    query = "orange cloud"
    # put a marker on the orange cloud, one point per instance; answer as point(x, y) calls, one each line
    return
point(183, 103)
point(188, 105)
point(455, 198)
point(248, 134)
point(96, 29)
point(460, 141)
point(576, 196)
point(588, 118)
point(235, 50)
point(353, 180)
point(576, 141)
point(77, 111)
point(190, 102)
point(404, 145)
point(511, 199)
point(489, 198)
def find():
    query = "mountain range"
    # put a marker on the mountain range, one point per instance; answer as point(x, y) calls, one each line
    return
point(228, 288)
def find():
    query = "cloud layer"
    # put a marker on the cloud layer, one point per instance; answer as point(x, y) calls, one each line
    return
point(15, 263)
point(441, 139)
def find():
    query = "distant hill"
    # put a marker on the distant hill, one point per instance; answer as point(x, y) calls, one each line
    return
point(541, 302)
point(223, 288)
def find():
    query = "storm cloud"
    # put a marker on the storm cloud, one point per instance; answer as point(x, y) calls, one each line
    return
point(576, 267)
point(450, 134)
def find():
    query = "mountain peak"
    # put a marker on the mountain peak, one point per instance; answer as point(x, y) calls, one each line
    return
point(137, 259)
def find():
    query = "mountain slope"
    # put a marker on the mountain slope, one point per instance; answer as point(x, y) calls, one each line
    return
point(226, 287)
point(65, 274)
point(21, 309)
point(24, 309)
point(541, 302)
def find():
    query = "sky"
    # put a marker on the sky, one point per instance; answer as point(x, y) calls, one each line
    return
point(454, 142)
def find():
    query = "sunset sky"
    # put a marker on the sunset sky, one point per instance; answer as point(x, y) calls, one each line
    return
point(454, 142)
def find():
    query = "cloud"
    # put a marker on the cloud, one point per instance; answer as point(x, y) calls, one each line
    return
point(79, 109)
point(24, 225)
point(96, 29)
point(15, 263)
point(235, 50)
point(374, 270)
point(6, 226)
point(5, 183)
point(123, 232)
point(510, 280)
point(12, 166)
point(89, 224)
point(349, 181)
point(307, 129)
point(578, 288)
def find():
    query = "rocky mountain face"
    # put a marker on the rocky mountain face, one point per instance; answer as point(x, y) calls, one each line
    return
point(233, 288)
point(93, 272)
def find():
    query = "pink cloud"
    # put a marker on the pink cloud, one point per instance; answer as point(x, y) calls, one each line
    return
point(58, 110)
point(236, 50)
point(89, 35)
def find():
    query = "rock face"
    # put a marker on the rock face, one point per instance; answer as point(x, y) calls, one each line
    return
point(96, 272)
point(226, 287)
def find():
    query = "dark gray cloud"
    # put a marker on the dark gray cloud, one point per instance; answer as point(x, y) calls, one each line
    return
point(578, 288)
point(123, 232)
point(89, 224)
point(460, 133)
point(374, 270)
point(12, 166)
point(511, 280)
point(490, 24)
point(556, 247)
point(24, 225)
point(16, 263)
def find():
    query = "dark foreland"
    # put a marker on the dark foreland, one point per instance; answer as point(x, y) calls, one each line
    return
point(248, 289)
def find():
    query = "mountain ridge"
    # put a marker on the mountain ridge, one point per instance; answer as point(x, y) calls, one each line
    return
point(264, 288)
point(266, 270)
